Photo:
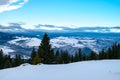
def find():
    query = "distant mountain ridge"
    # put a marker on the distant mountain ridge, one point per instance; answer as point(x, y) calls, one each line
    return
point(22, 43)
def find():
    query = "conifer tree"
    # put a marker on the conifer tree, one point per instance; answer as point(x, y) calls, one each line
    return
point(7, 62)
point(76, 57)
point(102, 54)
point(85, 57)
point(57, 57)
point(33, 54)
point(45, 51)
point(36, 60)
point(109, 53)
point(17, 60)
point(1, 59)
point(118, 51)
point(93, 55)
point(80, 55)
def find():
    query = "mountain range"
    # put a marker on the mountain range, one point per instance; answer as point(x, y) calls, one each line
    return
point(15, 39)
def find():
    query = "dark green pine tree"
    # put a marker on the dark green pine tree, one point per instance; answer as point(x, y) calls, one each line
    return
point(114, 51)
point(36, 60)
point(76, 57)
point(45, 51)
point(7, 62)
point(17, 61)
point(103, 55)
point(118, 51)
point(109, 52)
point(33, 54)
point(65, 57)
point(85, 57)
point(1, 59)
point(80, 55)
point(1, 54)
point(93, 55)
point(52, 56)
point(57, 57)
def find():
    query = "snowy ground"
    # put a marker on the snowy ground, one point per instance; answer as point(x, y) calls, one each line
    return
point(86, 70)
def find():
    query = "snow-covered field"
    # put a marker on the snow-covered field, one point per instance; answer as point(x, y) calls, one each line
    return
point(86, 70)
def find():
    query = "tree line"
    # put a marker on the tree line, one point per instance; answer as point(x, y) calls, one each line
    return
point(46, 55)
point(6, 61)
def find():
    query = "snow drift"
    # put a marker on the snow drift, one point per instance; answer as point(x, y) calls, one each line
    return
point(86, 70)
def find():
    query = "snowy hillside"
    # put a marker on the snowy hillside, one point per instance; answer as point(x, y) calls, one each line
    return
point(22, 43)
point(86, 70)
point(71, 44)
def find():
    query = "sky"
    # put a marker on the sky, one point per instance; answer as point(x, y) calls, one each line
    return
point(70, 13)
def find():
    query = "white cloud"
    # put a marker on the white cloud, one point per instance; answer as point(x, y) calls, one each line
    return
point(49, 28)
point(115, 30)
point(8, 5)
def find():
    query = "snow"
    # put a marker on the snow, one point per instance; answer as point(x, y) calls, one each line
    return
point(25, 41)
point(64, 43)
point(86, 70)
point(56, 42)
point(6, 50)
point(33, 42)
point(17, 39)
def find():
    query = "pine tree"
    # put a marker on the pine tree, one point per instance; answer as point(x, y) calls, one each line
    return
point(36, 60)
point(45, 51)
point(52, 56)
point(85, 57)
point(7, 62)
point(66, 57)
point(76, 57)
point(17, 61)
point(33, 54)
point(80, 55)
point(93, 55)
point(118, 51)
point(57, 57)
point(1, 59)
point(109, 52)
point(102, 54)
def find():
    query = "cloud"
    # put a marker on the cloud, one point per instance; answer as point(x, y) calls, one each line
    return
point(12, 27)
point(78, 29)
point(48, 27)
point(8, 5)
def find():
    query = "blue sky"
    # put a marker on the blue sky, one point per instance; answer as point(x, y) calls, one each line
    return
point(85, 13)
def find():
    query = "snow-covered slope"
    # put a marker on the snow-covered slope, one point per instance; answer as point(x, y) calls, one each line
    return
point(22, 43)
point(86, 70)
point(25, 41)
point(6, 50)
point(71, 44)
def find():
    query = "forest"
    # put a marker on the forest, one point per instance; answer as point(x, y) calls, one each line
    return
point(46, 55)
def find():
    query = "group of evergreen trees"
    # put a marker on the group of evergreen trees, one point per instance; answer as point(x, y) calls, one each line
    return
point(6, 61)
point(111, 53)
point(46, 55)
